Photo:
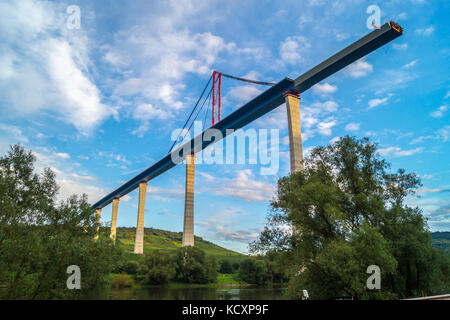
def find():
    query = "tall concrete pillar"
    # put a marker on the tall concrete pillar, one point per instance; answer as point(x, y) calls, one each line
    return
point(115, 208)
point(188, 227)
point(139, 242)
point(99, 214)
point(295, 134)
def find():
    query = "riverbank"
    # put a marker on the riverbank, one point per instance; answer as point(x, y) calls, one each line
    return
point(119, 281)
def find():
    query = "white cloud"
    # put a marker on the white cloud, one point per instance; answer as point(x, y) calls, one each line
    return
point(125, 198)
point(238, 235)
point(327, 106)
point(359, 68)
point(47, 68)
point(398, 152)
point(224, 225)
point(243, 187)
point(335, 139)
point(154, 58)
point(291, 49)
point(400, 46)
point(352, 126)
point(145, 112)
point(421, 139)
point(439, 113)
point(164, 194)
point(78, 96)
point(244, 93)
point(62, 155)
point(411, 64)
point(325, 127)
point(14, 132)
point(444, 133)
point(324, 89)
point(79, 177)
point(376, 102)
point(69, 181)
point(425, 31)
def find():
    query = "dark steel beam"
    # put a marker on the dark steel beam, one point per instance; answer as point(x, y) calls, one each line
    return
point(265, 102)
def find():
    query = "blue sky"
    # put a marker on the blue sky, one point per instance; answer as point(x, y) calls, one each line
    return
point(98, 104)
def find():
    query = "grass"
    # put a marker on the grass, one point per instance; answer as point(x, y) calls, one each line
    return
point(170, 242)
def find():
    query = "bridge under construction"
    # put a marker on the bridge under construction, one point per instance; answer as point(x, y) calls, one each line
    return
point(286, 91)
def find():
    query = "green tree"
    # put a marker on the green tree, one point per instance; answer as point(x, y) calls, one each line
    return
point(226, 267)
point(158, 268)
point(193, 266)
point(255, 271)
point(346, 211)
point(131, 267)
point(40, 238)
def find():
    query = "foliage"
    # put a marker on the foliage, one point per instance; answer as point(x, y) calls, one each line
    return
point(122, 281)
point(441, 241)
point(158, 268)
point(40, 238)
point(193, 266)
point(226, 267)
point(344, 213)
point(170, 242)
point(261, 271)
point(131, 267)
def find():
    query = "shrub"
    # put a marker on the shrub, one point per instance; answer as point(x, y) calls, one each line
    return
point(157, 267)
point(122, 281)
point(225, 267)
point(131, 267)
point(193, 266)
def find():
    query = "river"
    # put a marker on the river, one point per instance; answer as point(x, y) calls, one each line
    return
point(189, 293)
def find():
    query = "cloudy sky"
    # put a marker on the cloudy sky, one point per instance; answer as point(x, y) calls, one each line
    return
point(98, 104)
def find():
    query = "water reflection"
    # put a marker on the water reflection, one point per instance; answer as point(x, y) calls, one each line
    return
point(189, 293)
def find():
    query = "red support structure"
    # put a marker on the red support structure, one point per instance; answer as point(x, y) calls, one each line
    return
point(220, 92)
point(217, 77)
point(214, 97)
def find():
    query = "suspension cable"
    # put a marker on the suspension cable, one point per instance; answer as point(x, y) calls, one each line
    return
point(201, 108)
point(207, 112)
point(248, 80)
point(191, 114)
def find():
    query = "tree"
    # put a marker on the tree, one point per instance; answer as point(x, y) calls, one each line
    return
point(344, 213)
point(254, 271)
point(158, 268)
point(40, 238)
point(226, 267)
point(131, 267)
point(193, 266)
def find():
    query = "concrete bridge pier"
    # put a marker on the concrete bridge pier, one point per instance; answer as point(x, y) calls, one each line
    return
point(295, 134)
point(115, 208)
point(188, 227)
point(99, 214)
point(139, 242)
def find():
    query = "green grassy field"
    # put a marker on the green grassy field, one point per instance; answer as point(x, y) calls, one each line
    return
point(170, 242)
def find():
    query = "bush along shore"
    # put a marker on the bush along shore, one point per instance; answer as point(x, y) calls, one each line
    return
point(191, 267)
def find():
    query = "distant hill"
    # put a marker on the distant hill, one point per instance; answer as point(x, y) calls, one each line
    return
point(441, 241)
point(171, 241)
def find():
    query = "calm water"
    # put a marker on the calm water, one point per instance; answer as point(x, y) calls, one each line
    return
point(189, 293)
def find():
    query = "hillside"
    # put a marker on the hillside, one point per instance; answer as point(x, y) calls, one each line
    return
point(441, 240)
point(171, 241)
